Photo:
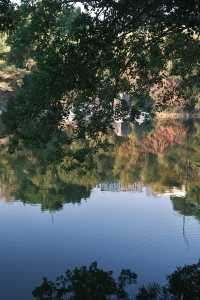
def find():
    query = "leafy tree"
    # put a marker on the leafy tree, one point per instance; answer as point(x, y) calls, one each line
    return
point(85, 60)
point(7, 16)
point(86, 283)
point(183, 283)
point(94, 283)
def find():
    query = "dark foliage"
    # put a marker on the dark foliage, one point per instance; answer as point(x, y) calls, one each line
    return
point(93, 283)
point(7, 16)
point(87, 59)
point(86, 283)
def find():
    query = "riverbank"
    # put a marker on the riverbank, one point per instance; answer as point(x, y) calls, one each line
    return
point(11, 79)
point(177, 115)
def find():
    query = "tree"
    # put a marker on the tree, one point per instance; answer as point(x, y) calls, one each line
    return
point(94, 283)
point(6, 15)
point(86, 283)
point(111, 47)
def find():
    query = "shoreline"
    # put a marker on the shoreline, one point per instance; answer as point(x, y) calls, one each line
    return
point(177, 116)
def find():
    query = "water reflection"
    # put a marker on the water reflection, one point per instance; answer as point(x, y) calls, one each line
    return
point(166, 161)
point(127, 203)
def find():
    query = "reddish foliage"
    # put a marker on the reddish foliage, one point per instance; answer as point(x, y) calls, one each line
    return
point(161, 139)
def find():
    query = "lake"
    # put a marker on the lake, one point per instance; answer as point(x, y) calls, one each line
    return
point(135, 205)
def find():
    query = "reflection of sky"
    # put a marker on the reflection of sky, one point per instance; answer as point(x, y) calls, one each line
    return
point(119, 230)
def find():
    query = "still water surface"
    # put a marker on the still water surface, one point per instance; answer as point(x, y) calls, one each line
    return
point(145, 225)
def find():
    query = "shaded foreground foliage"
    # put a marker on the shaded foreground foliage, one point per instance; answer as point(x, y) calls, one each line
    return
point(94, 283)
point(86, 283)
point(87, 59)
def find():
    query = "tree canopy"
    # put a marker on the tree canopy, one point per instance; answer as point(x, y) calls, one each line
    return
point(7, 18)
point(87, 59)
point(95, 283)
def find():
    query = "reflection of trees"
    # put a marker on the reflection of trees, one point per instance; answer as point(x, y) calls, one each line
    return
point(166, 160)
point(189, 159)
point(126, 168)
point(125, 163)
point(30, 182)
point(157, 171)
point(7, 180)
point(186, 206)
point(29, 178)
point(89, 283)
point(160, 139)
point(52, 199)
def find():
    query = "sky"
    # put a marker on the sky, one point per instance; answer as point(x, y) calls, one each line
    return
point(77, 4)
